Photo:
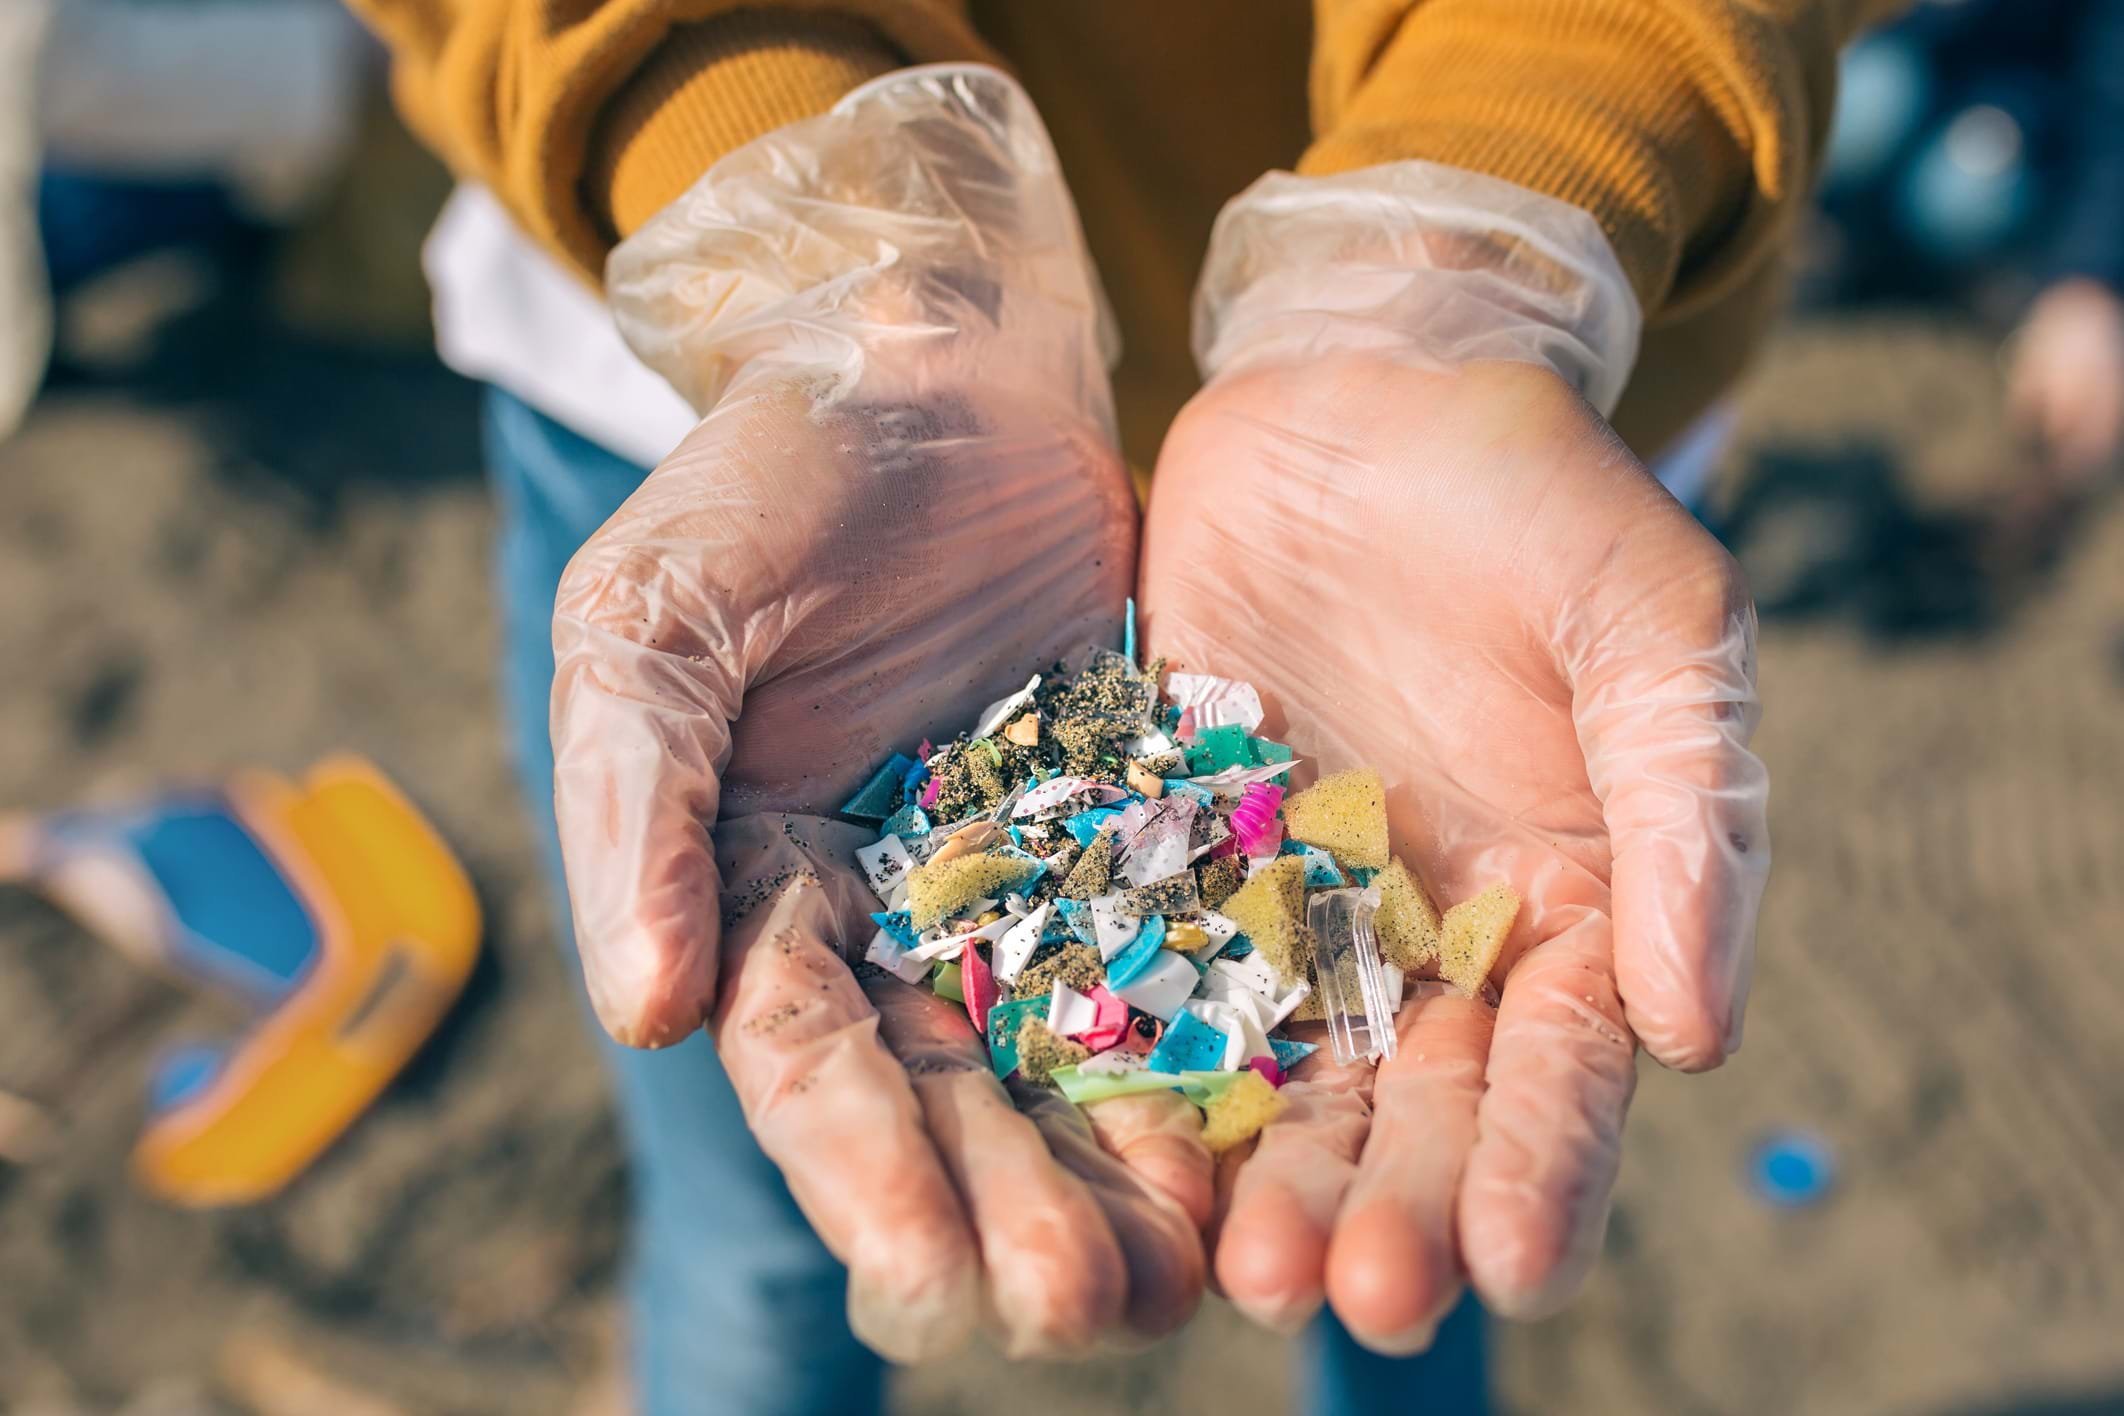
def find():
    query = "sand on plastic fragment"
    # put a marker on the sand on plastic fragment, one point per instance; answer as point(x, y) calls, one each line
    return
point(1345, 815)
point(938, 889)
point(1077, 965)
point(1089, 877)
point(1270, 910)
point(1240, 1111)
point(1472, 935)
point(1040, 1052)
point(1407, 922)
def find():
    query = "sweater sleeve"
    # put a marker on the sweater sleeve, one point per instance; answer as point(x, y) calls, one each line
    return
point(587, 116)
point(1691, 129)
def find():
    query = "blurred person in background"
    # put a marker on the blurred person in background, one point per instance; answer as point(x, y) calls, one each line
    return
point(891, 475)
point(1979, 156)
point(134, 126)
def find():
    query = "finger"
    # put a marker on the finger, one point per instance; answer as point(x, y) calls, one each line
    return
point(1534, 1200)
point(1272, 1243)
point(1160, 1244)
point(1057, 1282)
point(641, 728)
point(1159, 1136)
point(1665, 707)
point(1394, 1268)
point(828, 1103)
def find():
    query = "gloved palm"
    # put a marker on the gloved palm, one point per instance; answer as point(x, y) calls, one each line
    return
point(1463, 579)
point(902, 496)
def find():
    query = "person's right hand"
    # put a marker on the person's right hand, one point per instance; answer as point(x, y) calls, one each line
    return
point(903, 498)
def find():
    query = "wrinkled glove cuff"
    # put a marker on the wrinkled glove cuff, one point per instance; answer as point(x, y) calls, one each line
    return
point(921, 224)
point(1416, 261)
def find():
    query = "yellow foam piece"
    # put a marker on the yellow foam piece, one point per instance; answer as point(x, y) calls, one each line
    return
point(942, 888)
point(1473, 934)
point(1270, 910)
point(1240, 1111)
point(1407, 922)
point(1344, 815)
point(1041, 1053)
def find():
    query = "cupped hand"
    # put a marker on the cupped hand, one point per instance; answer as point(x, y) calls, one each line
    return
point(1465, 580)
point(795, 593)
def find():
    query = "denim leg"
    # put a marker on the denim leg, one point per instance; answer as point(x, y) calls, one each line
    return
point(1339, 1378)
point(735, 1304)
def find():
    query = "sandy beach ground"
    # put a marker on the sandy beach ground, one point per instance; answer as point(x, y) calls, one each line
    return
point(246, 546)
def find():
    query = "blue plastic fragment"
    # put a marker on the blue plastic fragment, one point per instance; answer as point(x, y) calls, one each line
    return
point(880, 796)
point(1189, 1045)
point(1362, 874)
point(899, 924)
point(1128, 635)
point(1321, 872)
point(1085, 824)
point(1238, 947)
point(1004, 1020)
point(1791, 1169)
point(911, 783)
point(1290, 1052)
point(1180, 786)
point(907, 822)
point(1078, 916)
point(1136, 956)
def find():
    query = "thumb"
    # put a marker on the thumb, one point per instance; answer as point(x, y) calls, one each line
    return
point(641, 730)
point(1663, 694)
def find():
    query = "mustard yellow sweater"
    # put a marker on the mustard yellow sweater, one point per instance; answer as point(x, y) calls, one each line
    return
point(1689, 128)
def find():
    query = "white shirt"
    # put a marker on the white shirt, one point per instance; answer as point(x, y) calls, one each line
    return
point(508, 314)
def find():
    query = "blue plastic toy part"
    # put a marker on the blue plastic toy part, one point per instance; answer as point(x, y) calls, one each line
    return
point(182, 1073)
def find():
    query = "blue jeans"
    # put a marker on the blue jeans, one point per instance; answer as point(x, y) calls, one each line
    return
point(736, 1306)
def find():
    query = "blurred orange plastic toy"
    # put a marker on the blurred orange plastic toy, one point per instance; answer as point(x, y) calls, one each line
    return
point(330, 906)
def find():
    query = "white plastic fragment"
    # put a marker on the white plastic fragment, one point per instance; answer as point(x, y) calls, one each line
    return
point(1070, 1012)
point(1015, 949)
point(1251, 972)
point(1234, 780)
point(993, 716)
point(1221, 931)
point(1114, 930)
point(888, 954)
point(950, 946)
point(1157, 844)
point(1215, 702)
point(885, 865)
point(1162, 987)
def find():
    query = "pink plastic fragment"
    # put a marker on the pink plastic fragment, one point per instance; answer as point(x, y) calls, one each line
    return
point(1229, 846)
point(1254, 822)
point(1112, 1024)
point(1266, 1066)
point(1184, 730)
point(978, 983)
point(931, 792)
point(925, 751)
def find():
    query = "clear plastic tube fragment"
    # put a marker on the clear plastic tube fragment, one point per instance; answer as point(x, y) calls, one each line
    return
point(1348, 974)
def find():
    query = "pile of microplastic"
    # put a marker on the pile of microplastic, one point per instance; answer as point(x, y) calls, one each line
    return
point(1115, 882)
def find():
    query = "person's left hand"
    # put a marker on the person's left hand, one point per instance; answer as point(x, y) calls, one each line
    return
point(1463, 579)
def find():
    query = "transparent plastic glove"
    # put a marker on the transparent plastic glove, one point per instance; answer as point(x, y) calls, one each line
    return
point(1447, 567)
point(902, 495)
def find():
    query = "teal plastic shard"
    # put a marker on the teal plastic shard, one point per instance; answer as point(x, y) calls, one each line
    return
point(1349, 975)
